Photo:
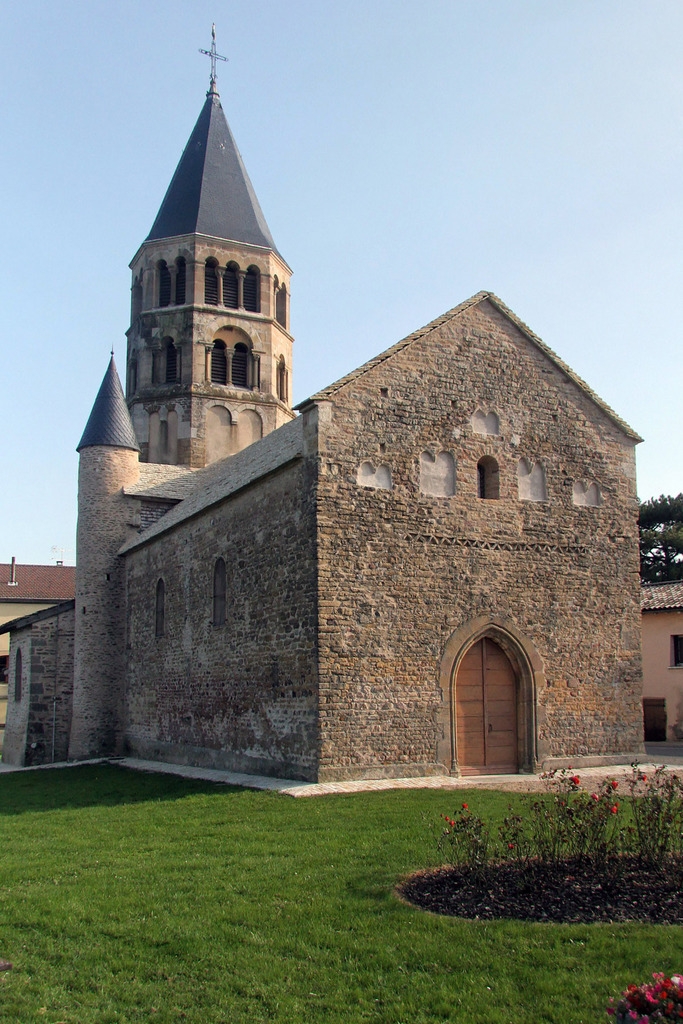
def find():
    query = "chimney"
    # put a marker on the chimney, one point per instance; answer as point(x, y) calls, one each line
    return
point(13, 573)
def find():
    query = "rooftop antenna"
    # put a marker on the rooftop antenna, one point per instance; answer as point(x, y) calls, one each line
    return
point(214, 57)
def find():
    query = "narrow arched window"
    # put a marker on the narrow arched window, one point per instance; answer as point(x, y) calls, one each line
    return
point(219, 589)
point(171, 363)
point(210, 283)
point(164, 284)
point(281, 306)
point(282, 380)
point(240, 365)
point(219, 364)
point(160, 609)
point(488, 478)
point(230, 286)
point(136, 303)
point(132, 376)
point(251, 289)
point(180, 281)
point(17, 674)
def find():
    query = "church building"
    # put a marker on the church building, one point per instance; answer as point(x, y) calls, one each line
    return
point(429, 567)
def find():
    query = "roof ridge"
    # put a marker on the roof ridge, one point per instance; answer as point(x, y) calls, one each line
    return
point(498, 304)
point(392, 350)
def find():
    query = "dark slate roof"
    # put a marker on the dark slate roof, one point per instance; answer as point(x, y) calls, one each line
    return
point(658, 597)
point(483, 296)
point(210, 192)
point(109, 422)
point(37, 582)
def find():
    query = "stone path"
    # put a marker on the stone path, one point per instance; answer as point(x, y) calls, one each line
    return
point(590, 777)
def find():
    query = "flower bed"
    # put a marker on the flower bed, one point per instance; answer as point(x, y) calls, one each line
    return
point(612, 855)
point(660, 999)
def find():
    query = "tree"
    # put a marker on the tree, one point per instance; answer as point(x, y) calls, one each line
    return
point(661, 539)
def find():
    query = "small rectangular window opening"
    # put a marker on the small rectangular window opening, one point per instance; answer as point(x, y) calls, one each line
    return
point(677, 650)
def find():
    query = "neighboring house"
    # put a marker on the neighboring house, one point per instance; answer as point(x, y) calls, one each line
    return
point(432, 569)
point(662, 625)
point(25, 589)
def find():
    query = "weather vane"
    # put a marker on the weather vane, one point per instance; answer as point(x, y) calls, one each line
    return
point(214, 57)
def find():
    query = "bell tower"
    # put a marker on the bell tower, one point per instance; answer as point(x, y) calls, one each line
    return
point(209, 365)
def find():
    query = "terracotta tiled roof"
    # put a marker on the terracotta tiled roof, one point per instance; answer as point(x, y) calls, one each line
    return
point(661, 596)
point(37, 582)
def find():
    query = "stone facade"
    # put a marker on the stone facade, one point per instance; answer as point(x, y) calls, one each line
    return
point(464, 485)
point(204, 420)
point(39, 709)
point(236, 691)
point(408, 580)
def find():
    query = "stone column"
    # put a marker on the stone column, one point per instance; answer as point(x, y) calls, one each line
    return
point(173, 271)
point(241, 274)
point(195, 280)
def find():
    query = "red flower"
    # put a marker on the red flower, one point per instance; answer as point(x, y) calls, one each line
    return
point(511, 846)
point(575, 780)
point(614, 784)
point(594, 796)
point(465, 807)
point(614, 808)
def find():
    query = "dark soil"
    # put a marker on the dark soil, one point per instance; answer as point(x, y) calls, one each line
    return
point(572, 892)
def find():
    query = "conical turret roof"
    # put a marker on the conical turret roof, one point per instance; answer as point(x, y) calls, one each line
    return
point(210, 192)
point(109, 422)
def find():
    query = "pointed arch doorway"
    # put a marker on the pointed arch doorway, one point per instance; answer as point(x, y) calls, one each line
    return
point(489, 677)
point(486, 688)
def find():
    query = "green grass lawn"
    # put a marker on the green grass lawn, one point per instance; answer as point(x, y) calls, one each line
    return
point(130, 898)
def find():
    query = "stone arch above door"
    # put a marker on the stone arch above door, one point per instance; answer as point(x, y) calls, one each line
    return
point(528, 667)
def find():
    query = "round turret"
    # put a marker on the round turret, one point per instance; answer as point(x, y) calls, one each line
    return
point(109, 462)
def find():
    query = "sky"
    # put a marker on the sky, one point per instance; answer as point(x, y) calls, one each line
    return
point(406, 154)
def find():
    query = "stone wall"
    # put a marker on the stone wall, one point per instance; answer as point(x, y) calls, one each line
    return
point(38, 725)
point(409, 559)
point(191, 436)
point(106, 519)
point(240, 695)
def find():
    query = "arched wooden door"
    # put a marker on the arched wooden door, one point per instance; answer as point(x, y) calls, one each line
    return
point(486, 711)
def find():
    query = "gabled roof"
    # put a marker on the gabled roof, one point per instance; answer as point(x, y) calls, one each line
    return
point(37, 582)
point(210, 192)
point(163, 483)
point(659, 597)
point(109, 422)
point(216, 482)
point(28, 620)
point(457, 311)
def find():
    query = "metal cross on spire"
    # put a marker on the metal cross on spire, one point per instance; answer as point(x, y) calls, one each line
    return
point(214, 57)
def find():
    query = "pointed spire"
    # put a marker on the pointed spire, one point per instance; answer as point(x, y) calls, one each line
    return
point(109, 422)
point(210, 192)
